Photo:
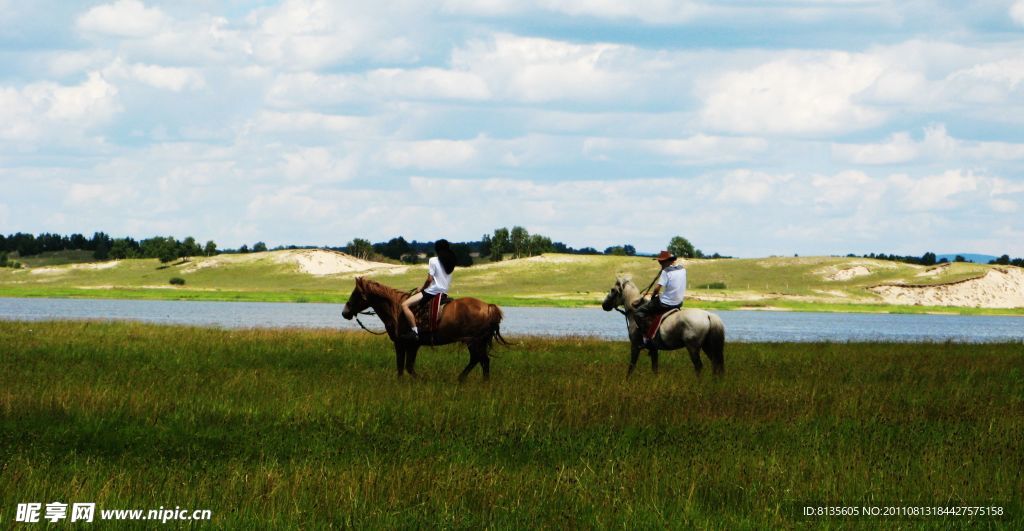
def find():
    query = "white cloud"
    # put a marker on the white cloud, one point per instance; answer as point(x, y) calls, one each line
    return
point(945, 191)
point(746, 187)
point(987, 82)
point(78, 62)
point(1017, 12)
point(309, 34)
point(649, 11)
point(899, 148)
point(42, 107)
point(801, 93)
point(696, 149)
point(124, 18)
point(169, 78)
point(174, 79)
point(311, 122)
point(307, 88)
point(430, 154)
point(541, 70)
point(98, 195)
point(317, 165)
point(936, 145)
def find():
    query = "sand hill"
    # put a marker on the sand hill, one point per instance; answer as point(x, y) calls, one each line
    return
point(999, 288)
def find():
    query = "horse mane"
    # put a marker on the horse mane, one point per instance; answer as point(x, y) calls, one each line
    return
point(372, 287)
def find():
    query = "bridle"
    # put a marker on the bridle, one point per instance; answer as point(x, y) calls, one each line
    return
point(618, 289)
point(366, 311)
point(361, 325)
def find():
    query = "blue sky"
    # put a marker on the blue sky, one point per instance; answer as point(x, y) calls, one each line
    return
point(751, 128)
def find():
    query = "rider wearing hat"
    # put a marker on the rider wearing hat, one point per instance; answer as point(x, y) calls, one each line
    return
point(672, 280)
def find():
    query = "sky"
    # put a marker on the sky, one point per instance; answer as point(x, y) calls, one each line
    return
point(752, 128)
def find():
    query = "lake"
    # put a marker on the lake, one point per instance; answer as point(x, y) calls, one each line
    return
point(740, 325)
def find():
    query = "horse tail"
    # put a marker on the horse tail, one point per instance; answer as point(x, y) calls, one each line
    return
point(495, 315)
point(714, 343)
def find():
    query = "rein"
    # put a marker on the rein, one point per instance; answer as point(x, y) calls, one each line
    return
point(368, 312)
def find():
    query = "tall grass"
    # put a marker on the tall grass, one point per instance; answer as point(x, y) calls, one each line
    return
point(298, 428)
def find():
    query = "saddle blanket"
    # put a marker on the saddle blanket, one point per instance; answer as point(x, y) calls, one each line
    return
point(656, 320)
point(428, 313)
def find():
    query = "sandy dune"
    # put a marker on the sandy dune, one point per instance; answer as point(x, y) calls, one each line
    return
point(65, 268)
point(999, 288)
point(850, 272)
point(319, 262)
point(931, 272)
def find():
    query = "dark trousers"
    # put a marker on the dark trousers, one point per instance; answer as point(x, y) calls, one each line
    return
point(653, 307)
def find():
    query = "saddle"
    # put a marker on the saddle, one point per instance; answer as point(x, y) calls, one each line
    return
point(654, 323)
point(428, 313)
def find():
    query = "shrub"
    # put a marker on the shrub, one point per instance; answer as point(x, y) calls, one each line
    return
point(712, 285)
point(178, 281)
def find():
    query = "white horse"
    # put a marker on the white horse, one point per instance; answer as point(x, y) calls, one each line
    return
point(689, 327)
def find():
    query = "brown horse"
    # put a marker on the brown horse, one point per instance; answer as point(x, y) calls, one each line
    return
point(464, 320)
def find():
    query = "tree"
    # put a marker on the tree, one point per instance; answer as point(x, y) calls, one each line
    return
point(616, 250)
point(189, 247)
point(259, 247)
point(928, 258)
point(1003, 260)
point(519, 239)
point(539, 245)
point(462, 256)
point(500, 244)
point(959, 258)
point(169, 252)
point(681, 247)
point(243, 249)
point(485, 245)
point(395, 248)
point(210, 248)
point(122, 248)
point(359, 248)
point(629, 250)
point(102, 251)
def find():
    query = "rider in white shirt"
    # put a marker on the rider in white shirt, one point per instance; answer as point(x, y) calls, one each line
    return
point(439, 277)
point(673, 280)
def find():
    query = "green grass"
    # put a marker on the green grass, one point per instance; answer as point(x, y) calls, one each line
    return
point(310, 428)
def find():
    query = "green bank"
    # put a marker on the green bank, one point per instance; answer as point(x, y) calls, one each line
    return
point(787, 283)
point(310, 428)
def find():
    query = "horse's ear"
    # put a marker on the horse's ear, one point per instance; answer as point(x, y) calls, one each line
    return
point(359, 282)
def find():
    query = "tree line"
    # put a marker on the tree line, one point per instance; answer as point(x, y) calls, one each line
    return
point(502, 243)
point(929, 258)
point(104, 247)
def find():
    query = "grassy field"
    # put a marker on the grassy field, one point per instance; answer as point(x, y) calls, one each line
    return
point(794, 283)
point(289, 428)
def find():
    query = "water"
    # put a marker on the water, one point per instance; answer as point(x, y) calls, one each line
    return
point(740, 325)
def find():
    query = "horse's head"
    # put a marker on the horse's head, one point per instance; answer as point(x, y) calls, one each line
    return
point(614, 297)
point(357, 301)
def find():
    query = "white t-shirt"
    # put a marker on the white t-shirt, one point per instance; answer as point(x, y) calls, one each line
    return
point(441, 279)
point(673, 285)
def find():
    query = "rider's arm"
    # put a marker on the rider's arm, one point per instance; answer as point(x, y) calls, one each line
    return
point(427, 282)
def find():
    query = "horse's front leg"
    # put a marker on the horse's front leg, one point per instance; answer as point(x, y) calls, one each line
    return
point(634, 355)
point(654, 360)
point(399, 357)
point(410, 361)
